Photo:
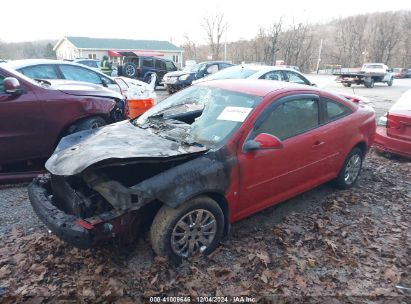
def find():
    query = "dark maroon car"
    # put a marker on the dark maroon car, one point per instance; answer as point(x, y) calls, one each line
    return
point(36, 114)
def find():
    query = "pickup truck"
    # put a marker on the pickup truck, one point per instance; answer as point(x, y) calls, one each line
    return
point(369, 74)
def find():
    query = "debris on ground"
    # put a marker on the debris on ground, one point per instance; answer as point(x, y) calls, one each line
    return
point(353, 244)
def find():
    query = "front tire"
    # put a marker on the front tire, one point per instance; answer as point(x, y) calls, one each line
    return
point(390, 82)
point(87, 124)
point(351, 169)
point(194, 227)
point(369, 84)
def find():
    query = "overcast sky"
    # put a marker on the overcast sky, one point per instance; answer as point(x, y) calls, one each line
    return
point(166, 19)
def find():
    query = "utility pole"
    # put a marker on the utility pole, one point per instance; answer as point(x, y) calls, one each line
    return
point(319, 56)
point(225, 44)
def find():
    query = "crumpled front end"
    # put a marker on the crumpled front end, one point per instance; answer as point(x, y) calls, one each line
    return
point(69, 215)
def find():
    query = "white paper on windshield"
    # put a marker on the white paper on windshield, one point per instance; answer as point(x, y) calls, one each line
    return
point(234, 114)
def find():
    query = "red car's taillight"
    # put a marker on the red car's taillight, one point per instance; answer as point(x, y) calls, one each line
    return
point(392, 123)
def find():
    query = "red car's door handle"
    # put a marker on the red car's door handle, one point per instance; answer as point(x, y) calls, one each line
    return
point(318, 144)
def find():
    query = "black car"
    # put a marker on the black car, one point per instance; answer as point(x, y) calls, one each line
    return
point(178, 80)
point(142, 67)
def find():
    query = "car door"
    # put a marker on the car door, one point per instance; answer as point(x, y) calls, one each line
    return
point(294, 77)
point(273, 175)
point(21, 125)
point(334, 134)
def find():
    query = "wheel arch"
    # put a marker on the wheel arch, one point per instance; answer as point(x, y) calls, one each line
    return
point(362, 146)
point(223, 203)
point(218, 197)
point(66, 129)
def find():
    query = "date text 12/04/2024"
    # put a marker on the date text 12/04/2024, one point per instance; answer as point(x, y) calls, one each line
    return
point(203, 299)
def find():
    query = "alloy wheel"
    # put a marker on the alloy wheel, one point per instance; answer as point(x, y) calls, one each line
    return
point(352, 170)
point(193, 233)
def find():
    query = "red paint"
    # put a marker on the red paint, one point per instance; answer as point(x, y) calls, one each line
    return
point(32, 122)
point(268, 141)
point(84, 224)
point(264, 177)
point(396, 136)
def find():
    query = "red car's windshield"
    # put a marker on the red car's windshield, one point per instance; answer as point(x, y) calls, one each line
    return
point(219, 113)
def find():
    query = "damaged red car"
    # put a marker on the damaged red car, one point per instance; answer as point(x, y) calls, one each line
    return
point(394, 128)
point(36, 114)
point(204, 158)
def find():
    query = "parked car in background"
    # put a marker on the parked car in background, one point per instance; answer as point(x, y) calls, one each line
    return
point(178, 80)
point(58, 69)
point(191, 160)
point(141, 67)
point(399, 72)
point(91, 63)
point(394, 128)
point(35, 115)
point(259, 72)
point(94, 64)
point(402, 73)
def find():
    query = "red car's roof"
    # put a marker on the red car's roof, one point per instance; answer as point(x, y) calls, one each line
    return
point(257, 87)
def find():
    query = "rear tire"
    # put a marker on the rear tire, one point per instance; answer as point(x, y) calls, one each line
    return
point(197, 226)
point(129, 70)
point(351, 169)
point(390, 82)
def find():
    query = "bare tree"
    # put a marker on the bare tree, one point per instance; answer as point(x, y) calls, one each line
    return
point(297, 45)
point(405, 55)
point(190, 48)
point(350, 40)
point(385, 35)
point(214, 26)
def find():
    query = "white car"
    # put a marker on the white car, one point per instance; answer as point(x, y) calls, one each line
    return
point(58, 69)
point(259, 72)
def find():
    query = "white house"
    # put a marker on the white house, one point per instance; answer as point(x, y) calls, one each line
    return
point(95, 48)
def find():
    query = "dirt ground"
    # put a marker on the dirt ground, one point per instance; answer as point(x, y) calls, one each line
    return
point(323, 246)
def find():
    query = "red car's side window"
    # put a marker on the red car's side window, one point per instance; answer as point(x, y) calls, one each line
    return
point(291, 118)
point(334, 110)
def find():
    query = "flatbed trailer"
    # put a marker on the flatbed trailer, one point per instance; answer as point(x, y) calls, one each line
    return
point(367, 79)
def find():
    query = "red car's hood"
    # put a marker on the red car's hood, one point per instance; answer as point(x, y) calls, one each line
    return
point(82, 88)
point(121, 140)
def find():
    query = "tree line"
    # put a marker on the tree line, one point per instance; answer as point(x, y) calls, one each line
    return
point(345, 42)
point(25, 50)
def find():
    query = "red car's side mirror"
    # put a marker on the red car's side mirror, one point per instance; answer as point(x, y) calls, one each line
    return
point(12, 86)
point(263, 141)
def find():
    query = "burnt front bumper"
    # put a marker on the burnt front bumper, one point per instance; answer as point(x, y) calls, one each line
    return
point(82, 233)
point(60, 223)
